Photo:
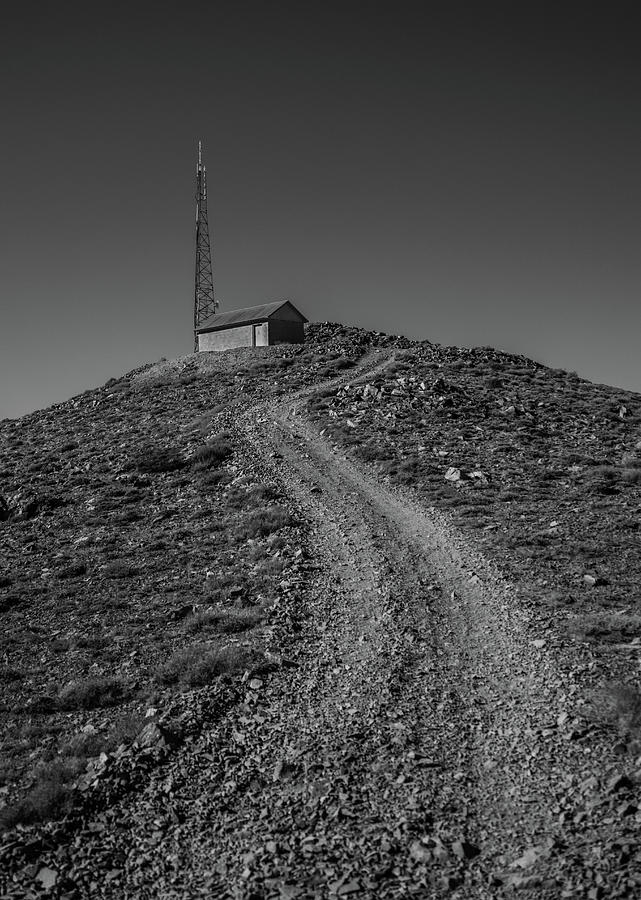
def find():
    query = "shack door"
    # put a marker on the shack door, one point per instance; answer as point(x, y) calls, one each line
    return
point(261, 336)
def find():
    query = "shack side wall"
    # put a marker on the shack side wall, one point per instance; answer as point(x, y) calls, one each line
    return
point(288, 313)
point(283, 331)
point(241, 336)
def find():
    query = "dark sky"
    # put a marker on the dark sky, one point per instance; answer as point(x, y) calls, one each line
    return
point(467, 173)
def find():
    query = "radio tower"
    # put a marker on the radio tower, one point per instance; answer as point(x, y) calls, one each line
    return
point(204, 302)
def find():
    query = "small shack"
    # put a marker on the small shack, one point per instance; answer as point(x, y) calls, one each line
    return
point(256, 326)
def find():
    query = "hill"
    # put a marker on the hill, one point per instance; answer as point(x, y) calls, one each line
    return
point(353, 618)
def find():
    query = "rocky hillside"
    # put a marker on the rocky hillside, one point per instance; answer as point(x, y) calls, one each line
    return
point(167, 547)
point(541, 466)
point(128, 514)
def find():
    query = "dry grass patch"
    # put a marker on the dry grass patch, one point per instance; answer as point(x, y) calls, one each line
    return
point(226, 621)
point(625, 705)
point(119, 569)
point(617, 706)
point(263, 522)
point(93, 692)
point(609, 627)
point(214, 452)
point(154, 460)
point(201, 664)
point(50, 796)
point(240, 496)
point(93, 743)
point(9, 673)
point(334, 366)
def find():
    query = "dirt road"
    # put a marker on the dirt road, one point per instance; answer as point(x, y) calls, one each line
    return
point(411, 732)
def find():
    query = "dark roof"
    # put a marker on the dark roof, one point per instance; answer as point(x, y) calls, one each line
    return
point(246, 316)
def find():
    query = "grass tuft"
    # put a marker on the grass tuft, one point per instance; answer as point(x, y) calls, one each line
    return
point(618, 706)
point(263, 522)
point(609, 627)
point(626, 707)
point(201, 664)
point(214, 452)
point(119, 569)
point(49, 798)
point(92, 693)
point(153, 461)
point(226, 621)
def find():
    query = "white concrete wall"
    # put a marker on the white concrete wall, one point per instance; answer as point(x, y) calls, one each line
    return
point(240, 336)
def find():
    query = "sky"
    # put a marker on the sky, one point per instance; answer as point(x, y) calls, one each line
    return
point(463, 173)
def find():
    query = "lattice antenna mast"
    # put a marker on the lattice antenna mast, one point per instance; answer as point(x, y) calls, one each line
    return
point(204, 301)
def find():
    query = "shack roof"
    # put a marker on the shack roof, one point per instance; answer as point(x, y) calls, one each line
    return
point(247, 316)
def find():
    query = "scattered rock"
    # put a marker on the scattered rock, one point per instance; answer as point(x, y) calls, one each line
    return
point(465, 850)
point(183, 611)
point(47, 877)
point(289, 891)
point(619, 783)
point(154, 735)
point(530, 857)
point(32, 505)
point(419, 852)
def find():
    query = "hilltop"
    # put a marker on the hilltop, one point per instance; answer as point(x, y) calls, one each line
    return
point(358, 617)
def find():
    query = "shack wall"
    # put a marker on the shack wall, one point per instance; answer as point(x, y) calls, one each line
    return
point(283, 331)
point(228, 339)
point(286, 312)
point(261, 334)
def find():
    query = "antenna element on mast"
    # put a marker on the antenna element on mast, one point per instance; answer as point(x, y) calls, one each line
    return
point(205, 303)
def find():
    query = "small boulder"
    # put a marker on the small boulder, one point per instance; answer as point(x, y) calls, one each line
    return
point(419, 852)
point(182, 612)
point(47, 877)
point(619, 783)
point(154, 735)
point(465, 850)
point(530, 857)
point(32, 505)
